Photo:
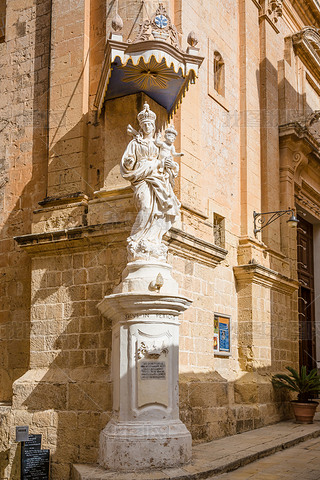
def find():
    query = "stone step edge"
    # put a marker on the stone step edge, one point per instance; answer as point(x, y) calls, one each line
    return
point(241, 462)
point(201, 474)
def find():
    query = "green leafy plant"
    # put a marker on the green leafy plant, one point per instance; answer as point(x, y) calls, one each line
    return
point(305, 385)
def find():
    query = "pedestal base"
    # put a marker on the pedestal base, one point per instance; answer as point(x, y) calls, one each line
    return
point(129, 446)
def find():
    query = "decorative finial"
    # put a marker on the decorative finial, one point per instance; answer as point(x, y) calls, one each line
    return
point(192, 39)
point(117, 23)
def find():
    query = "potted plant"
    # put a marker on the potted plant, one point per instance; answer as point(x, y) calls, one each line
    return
point(306, 385)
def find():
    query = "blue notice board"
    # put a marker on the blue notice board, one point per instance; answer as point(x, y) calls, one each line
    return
point(222, 331)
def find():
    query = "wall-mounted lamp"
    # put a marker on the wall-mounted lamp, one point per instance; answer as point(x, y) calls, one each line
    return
point(263, 221)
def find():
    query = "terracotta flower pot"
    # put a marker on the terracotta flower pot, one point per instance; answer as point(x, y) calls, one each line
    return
point(304, 412)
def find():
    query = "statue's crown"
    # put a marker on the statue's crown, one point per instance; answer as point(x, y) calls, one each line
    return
point(146, 115)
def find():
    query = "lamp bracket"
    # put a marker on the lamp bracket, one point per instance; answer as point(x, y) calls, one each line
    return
point(263, 219)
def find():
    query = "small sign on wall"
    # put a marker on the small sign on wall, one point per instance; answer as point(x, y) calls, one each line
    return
point(222, 334)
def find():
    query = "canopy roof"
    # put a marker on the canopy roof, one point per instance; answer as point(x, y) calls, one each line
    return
point(154, 64)
point(153, 67)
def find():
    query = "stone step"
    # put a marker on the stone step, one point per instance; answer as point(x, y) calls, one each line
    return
point(219, 456)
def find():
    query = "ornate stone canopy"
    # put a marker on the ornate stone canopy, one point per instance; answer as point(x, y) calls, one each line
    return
point(307, 45)
point(154, 64)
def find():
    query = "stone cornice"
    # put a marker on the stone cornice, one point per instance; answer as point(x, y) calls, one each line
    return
point(73, 239)
point(308, 10)
point(314, 6)
point(76, 239)
point(260, 275)
point(192, 248)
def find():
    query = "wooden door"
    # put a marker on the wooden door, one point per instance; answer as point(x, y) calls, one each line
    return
point(306, 294)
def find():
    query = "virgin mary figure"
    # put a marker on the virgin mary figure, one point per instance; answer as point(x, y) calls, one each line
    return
point(151, 180)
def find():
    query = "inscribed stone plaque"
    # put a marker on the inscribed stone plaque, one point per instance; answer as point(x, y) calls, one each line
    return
point(152, 382)
point(153, 370)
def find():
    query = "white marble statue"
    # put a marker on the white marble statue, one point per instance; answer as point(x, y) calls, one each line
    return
point(148, 164)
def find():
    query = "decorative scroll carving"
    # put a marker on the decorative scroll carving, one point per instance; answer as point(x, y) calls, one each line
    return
point(160, 27)
point(300, 161)
point(313, 125)
point(151, 351)
point(274, 10)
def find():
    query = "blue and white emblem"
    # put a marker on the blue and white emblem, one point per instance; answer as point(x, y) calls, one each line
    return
point(161, 21)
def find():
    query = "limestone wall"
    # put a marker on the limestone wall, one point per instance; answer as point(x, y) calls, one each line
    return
point(55, 347)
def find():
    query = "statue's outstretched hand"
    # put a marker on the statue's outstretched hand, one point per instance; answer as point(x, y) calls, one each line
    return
point(131, 131)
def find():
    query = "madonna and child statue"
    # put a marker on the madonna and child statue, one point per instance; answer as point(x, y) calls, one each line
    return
point(144, 308)
point(148, 164)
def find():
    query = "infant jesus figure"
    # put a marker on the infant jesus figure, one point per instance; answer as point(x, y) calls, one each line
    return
point(167, 151)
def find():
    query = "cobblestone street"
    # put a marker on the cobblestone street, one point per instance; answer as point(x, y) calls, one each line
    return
point(299, 462)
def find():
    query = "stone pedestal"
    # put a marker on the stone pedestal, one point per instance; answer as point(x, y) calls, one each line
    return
point(145, 430)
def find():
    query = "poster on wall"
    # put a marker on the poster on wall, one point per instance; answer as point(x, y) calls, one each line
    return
point(216, 334)
point(221, 334)
point(216, 342)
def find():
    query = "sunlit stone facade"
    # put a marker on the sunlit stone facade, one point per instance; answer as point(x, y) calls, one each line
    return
point(249, 131)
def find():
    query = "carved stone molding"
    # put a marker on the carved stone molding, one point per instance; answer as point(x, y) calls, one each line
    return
point(192, 248)
point(307, 10)
point(302, 136)
point(260, 275)
point(160, 27)
point(313, 125)
point(308, 198)
point(272, 11)
point(76, 239)
point(306, 44)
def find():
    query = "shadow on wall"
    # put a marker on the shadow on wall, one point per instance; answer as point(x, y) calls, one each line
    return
point(213, 407)
point(26, 164)
point(67, 395)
